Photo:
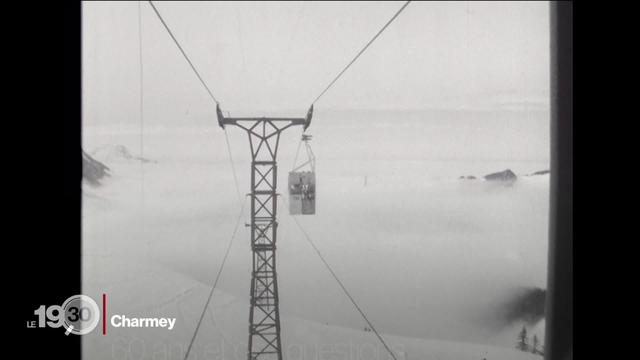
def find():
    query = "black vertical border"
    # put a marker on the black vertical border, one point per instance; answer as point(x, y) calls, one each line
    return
point(71, 219)
point(45, 200)
point(559, 304)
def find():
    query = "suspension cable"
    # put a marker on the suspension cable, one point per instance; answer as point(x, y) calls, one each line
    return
point(361, 52)
point(183, 52)
point(235, 178)
point(215, 282)
point(224, 259)
point(295, 160)
point(344, 289)
point(141, 103)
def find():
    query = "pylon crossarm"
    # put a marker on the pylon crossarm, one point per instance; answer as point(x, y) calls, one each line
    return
point(290, 121)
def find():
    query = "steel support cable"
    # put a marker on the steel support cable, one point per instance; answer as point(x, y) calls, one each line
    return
point(361, 51)
point(295, 160)
point(344, 289)
point(205, 86)
point(183, 52)
point(141, 104)
point(215, 282)
point(224, 259)
point(235, 178)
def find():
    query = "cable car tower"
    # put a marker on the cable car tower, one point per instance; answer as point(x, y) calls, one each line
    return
point(264, 316)
point(264, 138)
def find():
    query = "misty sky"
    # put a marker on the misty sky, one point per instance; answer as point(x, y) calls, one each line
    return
point(268, 57)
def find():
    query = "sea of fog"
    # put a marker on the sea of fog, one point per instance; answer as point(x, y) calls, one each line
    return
point(425, 254)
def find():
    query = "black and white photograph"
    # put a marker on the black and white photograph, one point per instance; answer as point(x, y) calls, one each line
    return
point(314, 180)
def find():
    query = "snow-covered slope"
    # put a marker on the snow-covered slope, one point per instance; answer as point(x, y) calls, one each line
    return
point(139, 288)
point(428, 257)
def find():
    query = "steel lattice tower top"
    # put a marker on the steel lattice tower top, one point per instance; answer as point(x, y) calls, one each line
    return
point(264, 315)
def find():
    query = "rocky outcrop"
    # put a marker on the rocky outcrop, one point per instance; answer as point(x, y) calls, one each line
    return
point(93, 171)
point(504, 176)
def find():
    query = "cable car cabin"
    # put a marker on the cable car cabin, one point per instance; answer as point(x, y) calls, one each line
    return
point(302, 184)
point(302, 193)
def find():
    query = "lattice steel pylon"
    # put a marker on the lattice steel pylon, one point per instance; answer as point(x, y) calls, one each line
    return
point(264, 314)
